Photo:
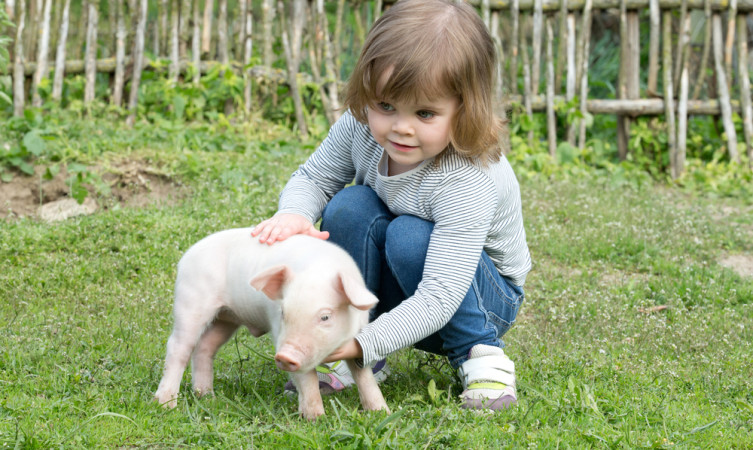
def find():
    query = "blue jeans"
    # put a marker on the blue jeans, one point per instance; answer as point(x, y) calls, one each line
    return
point(390, 252)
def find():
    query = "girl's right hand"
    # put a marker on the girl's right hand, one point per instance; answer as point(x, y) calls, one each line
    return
point(281, 226)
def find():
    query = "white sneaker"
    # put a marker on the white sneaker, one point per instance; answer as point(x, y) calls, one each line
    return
point(488, 379)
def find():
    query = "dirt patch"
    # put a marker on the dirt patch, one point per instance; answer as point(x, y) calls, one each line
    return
point(133, 183)
point(741, 264)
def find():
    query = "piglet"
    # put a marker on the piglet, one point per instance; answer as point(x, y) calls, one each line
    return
point(306, 292)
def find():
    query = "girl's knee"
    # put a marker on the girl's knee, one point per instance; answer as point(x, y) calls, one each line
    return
point(352, 204)
point(406, 243)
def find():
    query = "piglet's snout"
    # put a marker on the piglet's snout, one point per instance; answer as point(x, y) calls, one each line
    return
point(284, 362)
point(288, 359)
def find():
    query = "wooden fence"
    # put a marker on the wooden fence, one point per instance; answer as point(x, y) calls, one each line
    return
point(698, 54)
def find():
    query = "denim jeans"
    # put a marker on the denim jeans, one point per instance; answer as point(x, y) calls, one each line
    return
point(390, 252)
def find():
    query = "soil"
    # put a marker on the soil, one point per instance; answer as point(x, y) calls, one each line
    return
point(742, 264)
point(133, 183)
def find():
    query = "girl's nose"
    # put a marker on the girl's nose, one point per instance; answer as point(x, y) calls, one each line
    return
point(402, 125)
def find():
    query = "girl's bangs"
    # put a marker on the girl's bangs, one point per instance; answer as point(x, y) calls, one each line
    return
point(411, 82)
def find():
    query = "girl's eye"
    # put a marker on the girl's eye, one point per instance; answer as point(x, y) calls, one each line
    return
point(425, 114)
point(385, 106)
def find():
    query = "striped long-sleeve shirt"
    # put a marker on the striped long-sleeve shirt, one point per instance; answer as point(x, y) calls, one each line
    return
point(472, 207)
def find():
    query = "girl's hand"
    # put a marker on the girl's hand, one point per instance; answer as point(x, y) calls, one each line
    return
point(281, 226)
point(350, 350)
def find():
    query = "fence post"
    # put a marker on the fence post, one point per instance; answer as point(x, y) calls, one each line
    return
point(120, 46)
point(653, 52)
point(138, 62)
point(551, 123)
point(701, 77)
point(18, 64)
point(669, 100)
point(742, 52)
point(514, 37)
point(584, 74)
point(57, 83)
point(723, 90)
point(682, 108)
point(91, 52)
point(42, 51)
point(628, 84)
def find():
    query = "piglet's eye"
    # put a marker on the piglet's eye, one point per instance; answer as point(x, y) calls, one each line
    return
point(325, 317)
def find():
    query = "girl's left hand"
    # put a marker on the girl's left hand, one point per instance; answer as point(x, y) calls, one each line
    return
point(350, 350)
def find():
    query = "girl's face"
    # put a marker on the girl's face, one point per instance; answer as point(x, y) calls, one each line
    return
point(412, 132)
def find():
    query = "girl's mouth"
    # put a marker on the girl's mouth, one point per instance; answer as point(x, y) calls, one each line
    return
point(402, 148)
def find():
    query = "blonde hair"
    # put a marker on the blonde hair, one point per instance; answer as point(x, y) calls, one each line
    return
point(434, 48)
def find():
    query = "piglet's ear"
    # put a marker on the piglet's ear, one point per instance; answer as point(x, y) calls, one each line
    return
point(271, 281)
point(356, 292)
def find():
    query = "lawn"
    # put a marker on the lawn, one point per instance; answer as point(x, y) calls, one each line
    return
point(634, 333)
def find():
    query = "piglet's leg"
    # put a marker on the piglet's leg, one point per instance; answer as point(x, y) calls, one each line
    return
point(192, 315)
point(368, 389)
point(309, 399)
point(202, 362)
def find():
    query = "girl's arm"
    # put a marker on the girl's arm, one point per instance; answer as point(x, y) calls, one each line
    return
point(311, 187)
point(327, 171)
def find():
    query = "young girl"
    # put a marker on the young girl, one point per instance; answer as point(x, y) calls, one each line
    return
point(434, 218)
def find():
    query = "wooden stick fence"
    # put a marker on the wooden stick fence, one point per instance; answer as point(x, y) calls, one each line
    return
point(205, 32)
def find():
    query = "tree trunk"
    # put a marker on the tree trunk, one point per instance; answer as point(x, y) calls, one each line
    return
point(562, 48)
point(19, 97)
point(42, 54)
point(653, 52)
point(161, 45)
point(91, 53)
point(10, 9)
point(330, 68)
point(120, 46)
point(669, 100)
point(267, 17)
point(206, 29)
point(679, 54)
point(701, 76)
point(723, 90)
point(527, 93)
point(747, 115)
point(248, 52)
point(499, 84)
point(336, 39)
point(551, 122)
point(292, 44)
point(240, 50)
point(729, 45)
point(538, 18)
point(571, 73)
point(184, 24)
point(514, 47)
point(32, 34)
point(138, 62)
point(57, 83)
point(222, 51)
point(174, 41)
point(682, 107)
point(629, 86)
point(584, 76)
point(196, 42)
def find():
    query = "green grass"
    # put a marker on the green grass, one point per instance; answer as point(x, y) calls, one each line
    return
point(86, 312)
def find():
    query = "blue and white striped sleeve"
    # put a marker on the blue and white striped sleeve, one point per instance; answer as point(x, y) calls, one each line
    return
point(462, 209)
point(327, 171)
